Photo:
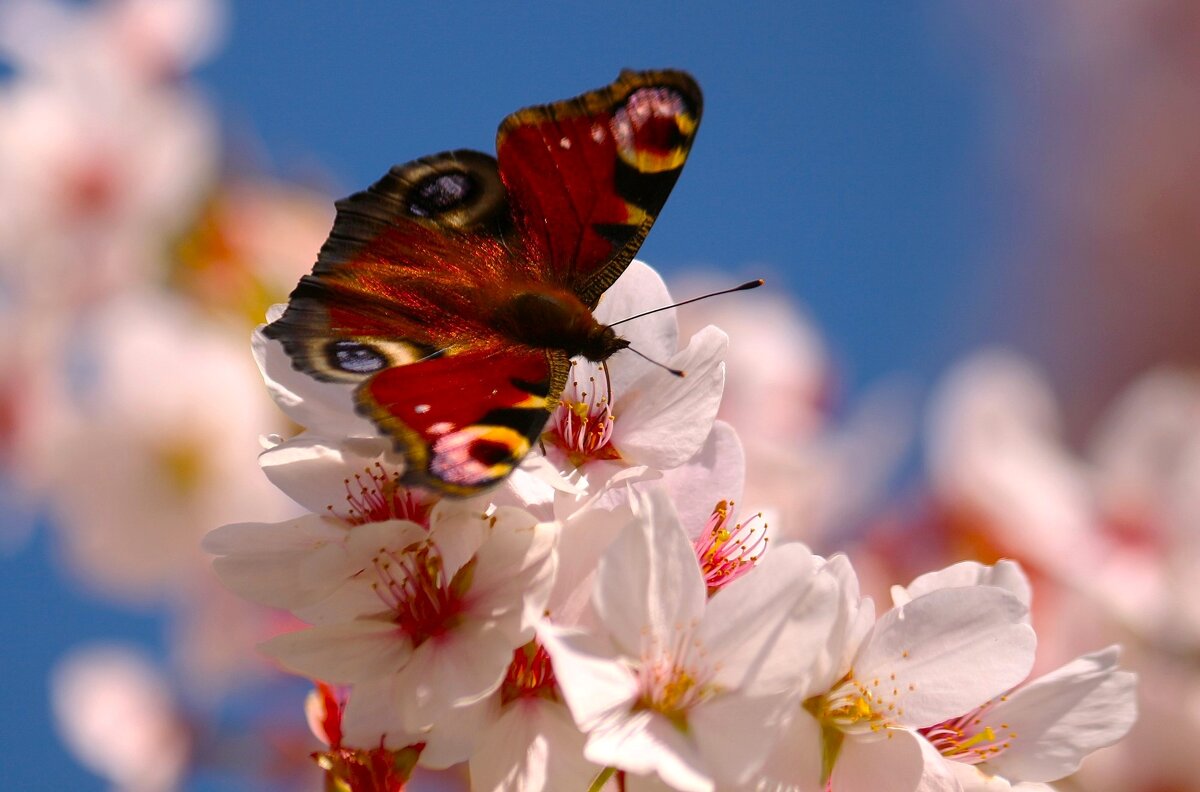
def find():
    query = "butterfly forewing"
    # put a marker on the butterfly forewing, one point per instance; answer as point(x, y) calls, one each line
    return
point(587, 176)
point(411, 301)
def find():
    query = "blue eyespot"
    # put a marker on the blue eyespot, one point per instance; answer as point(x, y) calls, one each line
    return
point(355, 357)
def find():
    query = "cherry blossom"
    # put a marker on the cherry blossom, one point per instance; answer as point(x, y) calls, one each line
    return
point(116, 712)
point(451, 603)
point(1041, 730)
point(690, 690)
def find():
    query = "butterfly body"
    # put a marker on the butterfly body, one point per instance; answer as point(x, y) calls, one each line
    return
point(452, 293)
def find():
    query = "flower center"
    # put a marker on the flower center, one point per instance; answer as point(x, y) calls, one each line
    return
point(583, 422)
point(724, 553)
point(968, 738)
point(412, 583)
point(673, 678)
point(530, 675)
point(857, 707)
point(375, 495)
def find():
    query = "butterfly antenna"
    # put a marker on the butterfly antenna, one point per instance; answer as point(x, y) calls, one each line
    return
point(675, 371)
point(754, 284)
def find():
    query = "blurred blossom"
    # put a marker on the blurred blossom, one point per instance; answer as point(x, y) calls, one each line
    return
point(248, 245)
point(155, 466)
point(100, 167)
point(117, 714)
point(1112, 533)
point(811, 474)
point(1101, 125)
point(142, 43)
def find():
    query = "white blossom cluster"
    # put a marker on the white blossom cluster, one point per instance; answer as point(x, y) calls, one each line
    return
point(610, 618)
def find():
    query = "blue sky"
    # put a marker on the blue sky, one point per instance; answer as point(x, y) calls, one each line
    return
point(845, 154)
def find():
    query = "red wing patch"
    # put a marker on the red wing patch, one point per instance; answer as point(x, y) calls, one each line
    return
point(465, 421)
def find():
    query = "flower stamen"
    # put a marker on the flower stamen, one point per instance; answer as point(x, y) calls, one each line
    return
point(412, 584)
point(375, 495)
point(583, 423)
point(726, 554)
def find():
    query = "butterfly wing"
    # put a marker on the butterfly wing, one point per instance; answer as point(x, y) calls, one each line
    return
point(400, 300)
point(396, 306)
point(588, 176)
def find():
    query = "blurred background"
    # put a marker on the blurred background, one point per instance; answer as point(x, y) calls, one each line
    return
point(980, 228)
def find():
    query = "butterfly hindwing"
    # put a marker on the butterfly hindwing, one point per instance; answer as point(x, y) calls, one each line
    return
point(434, 407)
point(419, 298)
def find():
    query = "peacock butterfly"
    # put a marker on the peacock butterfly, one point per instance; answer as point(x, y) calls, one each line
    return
point(452, 293)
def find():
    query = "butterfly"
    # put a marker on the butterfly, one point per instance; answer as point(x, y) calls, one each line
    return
point(452, 293)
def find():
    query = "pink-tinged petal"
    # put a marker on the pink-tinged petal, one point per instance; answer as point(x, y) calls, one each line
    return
point(644, 743)
point(595, 682)
point(534, 746)
point(971, 779)
point(586, 535)
point(116, 713)
point(944, 654)
point(341, 653)
point(459, 529)
point(736, 733)
point(324, 407)
point(716, 472)
point(888, 762)
point(1004, 574)
point(457, 669)
point(762, 631)
point(639, 289)
point(648, 580)
point(285, 565)
point(853, 618)
point(1058, 719)
point(298, 535)
point(318, 472)
point(355, 598)
point(937, 774)
point(794, 764)
point(663, 420)
point(604, 484)
point(364, 542)
point(515, 568)
point(372, 714)
point(452, 739)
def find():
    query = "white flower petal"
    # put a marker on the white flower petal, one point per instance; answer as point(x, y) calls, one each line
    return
point(888, 762)
point(656, 336)
point(453, 670)
point(452, 739)
point(853, 618)
point(795, 763)
point(937, 775)
point(647, 743)
point(648, 580)
point(341, 653)
point(317, 471)
point(515, 570)
point(971, 779)
point(945, 653)
point(736, 733)
point(1004, 574)
point(586, 535)
point(535, 747)
point(595, 683)
point(1060, 718)
point(286, 565)
point(763, 630)
point(716, 472)
point(663, 420)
